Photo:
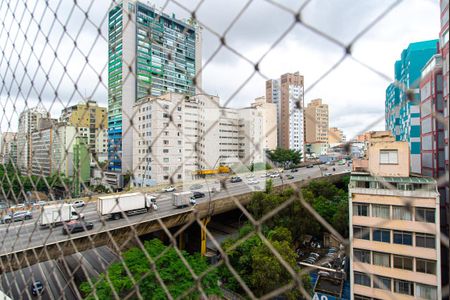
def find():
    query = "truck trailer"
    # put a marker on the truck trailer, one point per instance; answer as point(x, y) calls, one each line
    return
point(116, 206)
point(52, 215)
point(181, 199)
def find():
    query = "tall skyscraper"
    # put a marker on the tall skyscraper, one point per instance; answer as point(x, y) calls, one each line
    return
point(316, 122)
point(287, 93)
point(28, 123)
point(150, 53)
point(394, 226)
point(8, 148)
point(403, 97)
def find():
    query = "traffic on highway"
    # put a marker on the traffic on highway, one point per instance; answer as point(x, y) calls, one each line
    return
point(51, 223)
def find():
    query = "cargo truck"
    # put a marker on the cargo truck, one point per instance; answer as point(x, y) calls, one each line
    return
point(53, 215)
point(116, 206)
point(181, 199)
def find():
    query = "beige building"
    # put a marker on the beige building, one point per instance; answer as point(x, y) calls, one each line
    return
point(270, 125)
point(287, 93)
point(316, 122)
point(91, 121)
point(178, 135)
point(52, 150)
point(394, 226)
point(8, 148)
point(335, 136)
point(28, 123)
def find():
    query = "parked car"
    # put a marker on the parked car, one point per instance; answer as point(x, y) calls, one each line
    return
point(20, 215)
point(37, 288)
point(253, 181)
point(264, 175)
point(309, 260)
point(309, 166)
point(76, 226)
point(313, 254)
point(235, 179)
point(40, 203)
point(197, 195)
point(196, 187)
point(289, 176)
point(78, 203)
point(169, 189)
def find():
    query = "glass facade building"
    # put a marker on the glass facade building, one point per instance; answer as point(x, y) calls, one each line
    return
point(150, 53)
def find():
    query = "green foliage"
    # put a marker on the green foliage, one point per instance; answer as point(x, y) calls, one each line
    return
point(16, 185)
point(258, 266)
point(285, 157)
point(172, 270)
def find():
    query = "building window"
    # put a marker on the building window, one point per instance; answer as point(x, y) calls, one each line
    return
point(381, 282)
point(401, 213)
point(360, 232)
point(166, 159)
point(404, 287)
point(403, 262)
point(179, 176)
point(425, 214)
point(360, 209)
point(425, 240)
point(425, 266)
point(380, 211)
point(402, 237)
point(166, 177)
point(381, 235)
point(165, 142)
point(362, 279)
point(165, 150)
point(388, 157)
point(381, 259)
point(165, 169)
point(361, 256)
point(425, 291)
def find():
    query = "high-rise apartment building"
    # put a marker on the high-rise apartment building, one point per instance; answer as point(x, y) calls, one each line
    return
point(28, 122)
point(52, 152)
point(150, 53)
point(394, 226)
point(316, 122)
point(402, 107)
point(177, 136)
point(335, 136)
point(91, 121)
point(8, 148)
point(287, 93)
point(444, 47)
point(270, 126)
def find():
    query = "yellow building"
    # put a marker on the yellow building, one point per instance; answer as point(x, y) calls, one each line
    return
point(91, 121)
point(394, 226)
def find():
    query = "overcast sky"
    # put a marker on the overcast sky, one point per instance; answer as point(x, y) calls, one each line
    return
point(355, 95)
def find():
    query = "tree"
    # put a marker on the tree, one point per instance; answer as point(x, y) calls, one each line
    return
point(257, 265)
point(170, 267)
point(284, 157)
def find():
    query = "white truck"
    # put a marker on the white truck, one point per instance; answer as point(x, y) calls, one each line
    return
point(115, 206)
point(52, 215)
point(181, 199)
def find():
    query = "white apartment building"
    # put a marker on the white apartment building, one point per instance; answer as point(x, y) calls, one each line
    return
point(53, 150)
point(178, 135)
point(287, 93)
point(28, 122)
point(270, 123)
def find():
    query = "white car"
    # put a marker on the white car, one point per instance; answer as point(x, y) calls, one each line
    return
point(252, 181)
point(264, 175)
point(275, 175)
point(169, 189)
point(78, 203)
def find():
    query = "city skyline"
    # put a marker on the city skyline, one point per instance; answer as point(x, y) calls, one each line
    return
point(345, 106)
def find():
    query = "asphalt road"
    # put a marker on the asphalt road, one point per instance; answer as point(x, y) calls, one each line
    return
point(28, 234)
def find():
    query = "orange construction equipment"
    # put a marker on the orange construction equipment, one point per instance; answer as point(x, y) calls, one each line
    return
point(219, 170)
